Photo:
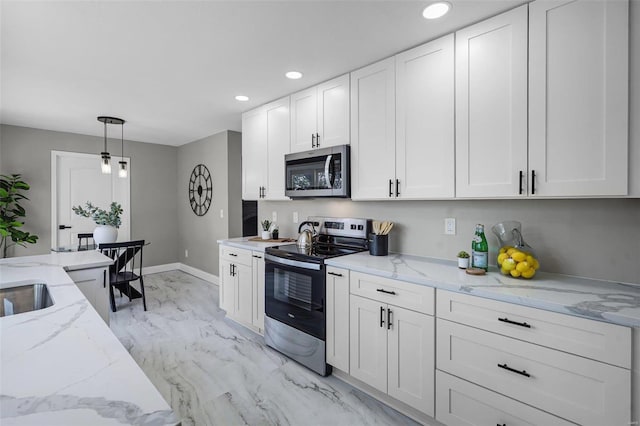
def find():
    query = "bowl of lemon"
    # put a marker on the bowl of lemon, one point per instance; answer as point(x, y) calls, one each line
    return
point(517, 262)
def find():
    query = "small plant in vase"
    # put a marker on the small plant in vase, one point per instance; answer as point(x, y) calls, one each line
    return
point(108, 222)
point(266, 226)
point(463, 260)
point(275, 232)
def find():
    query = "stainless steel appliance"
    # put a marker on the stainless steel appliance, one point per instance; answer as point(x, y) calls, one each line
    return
point(295, 289)
point(318, 173)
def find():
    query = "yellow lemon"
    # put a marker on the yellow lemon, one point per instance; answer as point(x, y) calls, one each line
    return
point(528, 273)
point(530, 259)
point(504, 271)
point(511, 250)
point(504, 249)
point(523, 266)
point(535, 264)
point(508, 264)
point(518, 256)
point(515, 273)
point(502, 257)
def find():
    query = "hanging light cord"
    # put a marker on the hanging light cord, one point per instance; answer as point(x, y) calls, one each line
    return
point(122, 140)
point(105, 136)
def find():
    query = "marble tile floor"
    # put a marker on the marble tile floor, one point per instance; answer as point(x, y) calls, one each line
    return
point(215, 372)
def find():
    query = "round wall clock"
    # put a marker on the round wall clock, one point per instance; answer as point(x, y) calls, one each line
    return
point(200, 190)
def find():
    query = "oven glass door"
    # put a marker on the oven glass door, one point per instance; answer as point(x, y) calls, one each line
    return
point(296, 296)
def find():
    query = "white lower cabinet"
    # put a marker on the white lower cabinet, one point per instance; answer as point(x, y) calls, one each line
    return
point(392, 350)
point(460, 403)
point(337, 311)
point(258, 289)
point(94, 284)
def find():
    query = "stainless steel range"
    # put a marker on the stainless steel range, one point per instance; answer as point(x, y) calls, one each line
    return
point(295, 289)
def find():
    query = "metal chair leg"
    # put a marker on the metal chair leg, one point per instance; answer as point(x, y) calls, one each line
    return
point(112, 298)
point(144, 299)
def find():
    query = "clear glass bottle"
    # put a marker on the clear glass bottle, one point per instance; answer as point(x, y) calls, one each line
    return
point(480, 249)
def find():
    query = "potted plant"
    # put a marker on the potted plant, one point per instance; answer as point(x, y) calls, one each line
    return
point(275, 232)
point(108, 222)
point(463, 259)
point(11, 211)
point(266, 225)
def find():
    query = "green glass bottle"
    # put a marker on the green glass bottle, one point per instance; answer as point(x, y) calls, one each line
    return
point(480, 249)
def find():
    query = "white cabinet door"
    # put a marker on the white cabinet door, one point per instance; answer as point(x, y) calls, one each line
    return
point(373, 145)
point(227, 287)
point(94, 285)
point(578, 97)
point(303, 120)
point(368, 342)
point(258, 290)
point(277, 139)
point(411, 358)
point(333, 112)
point(254, 153)
point(243, 307)
point(337, 307)
point(491, 106)
point(424, 120)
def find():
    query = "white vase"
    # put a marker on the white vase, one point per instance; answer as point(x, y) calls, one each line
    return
point(105, 234)
point(463, 262)
point(266, 235)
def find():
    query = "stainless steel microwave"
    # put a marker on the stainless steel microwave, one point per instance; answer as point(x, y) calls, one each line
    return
point(318, 173)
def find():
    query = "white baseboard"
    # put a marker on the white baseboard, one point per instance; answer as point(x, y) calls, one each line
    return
point(198, 273)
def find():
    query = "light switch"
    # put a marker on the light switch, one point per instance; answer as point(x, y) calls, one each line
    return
point(274, 216)
point(450, 226)
point(221, 214)
point(295, 217)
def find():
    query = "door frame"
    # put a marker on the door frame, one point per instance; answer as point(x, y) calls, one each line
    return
point(54, 189)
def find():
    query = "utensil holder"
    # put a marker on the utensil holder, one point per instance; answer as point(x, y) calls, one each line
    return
point(378, 245)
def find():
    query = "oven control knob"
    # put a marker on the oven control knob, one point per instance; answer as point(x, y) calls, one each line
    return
point(360, 227)
point(353, 227)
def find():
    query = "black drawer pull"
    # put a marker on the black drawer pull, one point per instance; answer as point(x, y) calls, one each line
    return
point(233, 254)
point(513, 370)
point(333, 273)
point(382, 290)
point(257, 257)
point(521, 324)
point(503, 424)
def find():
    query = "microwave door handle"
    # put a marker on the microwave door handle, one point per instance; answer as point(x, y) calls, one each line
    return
point(327, 168)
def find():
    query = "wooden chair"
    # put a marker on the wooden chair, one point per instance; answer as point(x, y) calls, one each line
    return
point(86, 242)
point(127, 267)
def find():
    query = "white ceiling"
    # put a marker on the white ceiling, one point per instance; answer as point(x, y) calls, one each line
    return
point(173, 68)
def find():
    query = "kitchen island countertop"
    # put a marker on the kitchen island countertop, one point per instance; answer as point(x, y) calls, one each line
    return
point(613, 302)
point(244, 243)
point(62, 365)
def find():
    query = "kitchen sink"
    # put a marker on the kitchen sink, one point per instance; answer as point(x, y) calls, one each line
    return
point(24, 298)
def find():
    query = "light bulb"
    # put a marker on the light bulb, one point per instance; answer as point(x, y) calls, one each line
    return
point(122, 171)
point(105, 163)
point(436, 10)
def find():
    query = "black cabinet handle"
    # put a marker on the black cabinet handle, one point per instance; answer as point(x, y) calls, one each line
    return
point(313, 140)
point(389, 312)
point(513, 370)
point(233, 254)
point(520, 182)
point(397, 187)
point(382, 290)
point(533, 181)
point(503, 424)
point(257, 257)
point(381, 316)
point(64, 227)
point(390, 188)
point(104, 279)
point(335, 274)
point(521, 324)
point(317, 140)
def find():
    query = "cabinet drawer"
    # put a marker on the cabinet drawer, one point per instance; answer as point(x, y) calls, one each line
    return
point(575, 388)
point(580, 336)
point(460, 403)
point(236, 255)
point(416, 297)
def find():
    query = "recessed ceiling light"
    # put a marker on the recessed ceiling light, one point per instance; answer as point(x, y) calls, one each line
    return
point(436, 10)
point(242, 98)
point(293, 75)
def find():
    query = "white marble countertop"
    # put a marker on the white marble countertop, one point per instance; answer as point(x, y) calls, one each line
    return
point(62, 365)
point(244, 243)
point(612, 302)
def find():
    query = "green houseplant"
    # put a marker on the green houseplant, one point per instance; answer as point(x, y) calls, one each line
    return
point(463, 259)
point(11, 212)
point(108, 221)
point(266, 226)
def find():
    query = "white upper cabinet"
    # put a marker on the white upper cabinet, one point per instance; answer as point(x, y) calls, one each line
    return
point(373, 131)
point(320, 115)
point(265, 141)
point(425, 121)
point(578, 97)
point(491, 106)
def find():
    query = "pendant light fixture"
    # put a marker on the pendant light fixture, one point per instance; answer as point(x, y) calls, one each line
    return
point(122, 170)
point(105, 157)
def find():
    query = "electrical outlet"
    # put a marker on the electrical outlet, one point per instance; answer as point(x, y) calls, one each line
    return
point(450, 226)
point(295, 217)
point(186, 253)
point(221, 214)
point(274, 216)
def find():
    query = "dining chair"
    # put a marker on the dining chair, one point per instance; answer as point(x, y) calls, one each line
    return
point(86, 242)
point(127, 267)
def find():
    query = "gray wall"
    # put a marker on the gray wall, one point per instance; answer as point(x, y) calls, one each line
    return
point(597, 238)
point(199, 234)
point(153, 174)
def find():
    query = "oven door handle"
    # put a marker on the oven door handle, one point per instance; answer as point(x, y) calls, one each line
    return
point(290, 262)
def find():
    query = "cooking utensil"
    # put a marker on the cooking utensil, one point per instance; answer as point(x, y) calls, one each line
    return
point(305, 237)
point(382, 228)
